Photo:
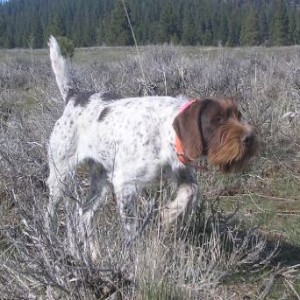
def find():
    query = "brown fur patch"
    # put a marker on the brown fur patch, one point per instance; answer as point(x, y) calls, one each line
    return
point(186, 125)
point(213, 127)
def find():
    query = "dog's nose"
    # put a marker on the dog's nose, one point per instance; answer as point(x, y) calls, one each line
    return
point(248, 139)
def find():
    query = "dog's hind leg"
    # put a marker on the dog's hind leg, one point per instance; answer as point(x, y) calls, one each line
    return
point(96, 198)
point(126, 200)
point(60, 172)
point(98, 184)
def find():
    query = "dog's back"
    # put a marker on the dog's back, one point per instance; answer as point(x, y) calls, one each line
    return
point(108, 129)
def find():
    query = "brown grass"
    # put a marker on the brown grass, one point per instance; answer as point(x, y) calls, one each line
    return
point(243, 242)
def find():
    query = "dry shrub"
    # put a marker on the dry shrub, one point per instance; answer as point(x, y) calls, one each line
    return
point(36, 263)
point(186, 264)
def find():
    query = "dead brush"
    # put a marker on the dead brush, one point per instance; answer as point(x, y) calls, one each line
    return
point(189, 263)
point(194, 263)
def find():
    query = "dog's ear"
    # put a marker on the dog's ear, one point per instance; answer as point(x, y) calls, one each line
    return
point(195, 126)
point(187, 128)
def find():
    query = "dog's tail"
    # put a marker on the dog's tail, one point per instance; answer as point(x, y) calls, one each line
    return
point(60, 67)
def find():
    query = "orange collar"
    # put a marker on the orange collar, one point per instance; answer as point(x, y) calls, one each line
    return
point(180, 153)
point(178, 144)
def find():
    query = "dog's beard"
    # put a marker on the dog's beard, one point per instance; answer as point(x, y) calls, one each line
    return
point(227, 150)
point(234, 167)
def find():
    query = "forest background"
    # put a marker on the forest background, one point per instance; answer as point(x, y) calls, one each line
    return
point(28, 23)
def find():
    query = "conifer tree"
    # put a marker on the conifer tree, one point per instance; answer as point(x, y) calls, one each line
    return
point(168, 24)
point(57, 25)
point(2, 31)
point(297, 32)
point(234, 29)
point(120, 33)
point(250, 34)
point(207, 33)
point(280, 31)
point(263, 26)
point(28, 23)
point(223, 34)
point(37, 38)
point(292, 28)
point(78, 24)
point(188, 28)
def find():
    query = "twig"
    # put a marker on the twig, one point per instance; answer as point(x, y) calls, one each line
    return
point(142, 227)
point(288, 283)
point(279, 213)
point(135, 42)
point(259, 195)
point(268, 288)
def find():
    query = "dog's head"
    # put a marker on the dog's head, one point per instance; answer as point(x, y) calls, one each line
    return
point(213, 128)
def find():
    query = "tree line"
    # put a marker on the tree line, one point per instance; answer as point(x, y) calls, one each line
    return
point(28, 23)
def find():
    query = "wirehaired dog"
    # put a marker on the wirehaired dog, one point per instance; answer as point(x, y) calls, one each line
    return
point(134, 141)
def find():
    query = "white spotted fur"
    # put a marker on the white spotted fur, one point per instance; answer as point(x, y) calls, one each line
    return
point(132, 144)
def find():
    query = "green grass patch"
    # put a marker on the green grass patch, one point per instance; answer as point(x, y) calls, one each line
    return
point(161, 291)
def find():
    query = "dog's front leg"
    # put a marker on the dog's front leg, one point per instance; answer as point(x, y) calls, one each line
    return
point(179, 210)
point(126, 199)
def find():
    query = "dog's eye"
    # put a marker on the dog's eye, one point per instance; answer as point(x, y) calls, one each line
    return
point(218, 119)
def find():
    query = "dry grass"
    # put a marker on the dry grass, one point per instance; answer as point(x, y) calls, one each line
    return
point(243, 242)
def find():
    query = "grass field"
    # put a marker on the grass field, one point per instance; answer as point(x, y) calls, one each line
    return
point(244, 240)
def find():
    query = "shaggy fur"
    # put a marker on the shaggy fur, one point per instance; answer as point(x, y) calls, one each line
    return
point(132, 143)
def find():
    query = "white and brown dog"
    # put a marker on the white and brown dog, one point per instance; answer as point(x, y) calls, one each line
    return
point(134, 141)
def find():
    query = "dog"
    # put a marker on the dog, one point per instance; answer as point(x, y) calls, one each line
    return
point(134, 141)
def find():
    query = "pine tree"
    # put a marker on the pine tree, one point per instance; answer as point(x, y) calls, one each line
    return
point(67, 46)
point(101, 33)
point(223, 34)
point(297, 31)
point(188, 28)
point(2, 31)
point(36, 36)
point(292, 27)
point(168, 28)
point(280, 31)
point(263, 26)
point(250, 34)
point(78, 24)
point(119, 32)
point(234, 29)
point(28, 23)
point(208, 33)
point(56, 26)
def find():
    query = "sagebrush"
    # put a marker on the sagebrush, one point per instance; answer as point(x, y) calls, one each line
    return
point(196, 262)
